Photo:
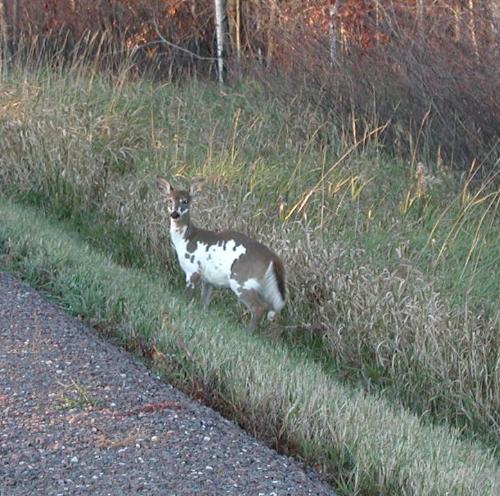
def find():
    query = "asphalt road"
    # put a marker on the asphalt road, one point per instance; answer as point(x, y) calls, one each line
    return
point(80, 416)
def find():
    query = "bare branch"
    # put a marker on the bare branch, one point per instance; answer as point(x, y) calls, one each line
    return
point(163, 40)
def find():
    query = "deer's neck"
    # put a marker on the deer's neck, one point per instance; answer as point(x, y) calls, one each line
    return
point(182, 228)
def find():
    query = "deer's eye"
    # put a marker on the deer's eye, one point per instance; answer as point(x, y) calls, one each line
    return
point(184, 202)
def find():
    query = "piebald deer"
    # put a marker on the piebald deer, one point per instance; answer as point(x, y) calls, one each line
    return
point(224, 259)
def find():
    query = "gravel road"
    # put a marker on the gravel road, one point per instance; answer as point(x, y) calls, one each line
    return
point(80, 416)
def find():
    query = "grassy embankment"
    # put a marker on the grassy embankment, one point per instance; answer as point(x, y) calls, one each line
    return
point(389, 291)
point(366, 445)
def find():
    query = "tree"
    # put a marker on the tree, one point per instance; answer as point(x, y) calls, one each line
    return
point(234, 8)
point(220, 34)
point(3, 35)
point(420, 7)
point(336, 28)
point(471, 4)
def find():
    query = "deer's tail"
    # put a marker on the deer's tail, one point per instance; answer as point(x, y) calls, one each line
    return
point(274, 287)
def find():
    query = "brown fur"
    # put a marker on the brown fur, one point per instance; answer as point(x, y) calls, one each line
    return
point(279, 272)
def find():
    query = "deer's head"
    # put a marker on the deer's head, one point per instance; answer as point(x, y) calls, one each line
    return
point(179, 200)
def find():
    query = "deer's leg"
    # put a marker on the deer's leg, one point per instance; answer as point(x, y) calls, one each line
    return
point(206, 293)
point(255, 304)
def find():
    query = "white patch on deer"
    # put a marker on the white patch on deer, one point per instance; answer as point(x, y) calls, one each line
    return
point(217, 269)
point(271, 315)
point(213, 265)
point(270, 291)
point(251, 283)
point(177, 236)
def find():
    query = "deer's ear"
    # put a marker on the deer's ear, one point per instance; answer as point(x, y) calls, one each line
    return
point(164, 186)
point(196, 187)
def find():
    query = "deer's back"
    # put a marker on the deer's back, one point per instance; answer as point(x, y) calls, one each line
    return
point(221, 256)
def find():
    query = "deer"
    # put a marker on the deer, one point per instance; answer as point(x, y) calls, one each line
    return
point(226, 259)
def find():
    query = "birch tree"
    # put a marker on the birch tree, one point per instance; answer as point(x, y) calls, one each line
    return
point(377, 15)
point(220, 35)
point(457, 18)
point(270, 35)
point(332, 11)
point(336, 28)
point(14, 22)
point(3, 35)
point(491, 14)
point(473, 27)
point(420, 7)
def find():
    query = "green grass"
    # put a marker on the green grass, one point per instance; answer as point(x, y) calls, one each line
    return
point(365, 445)
point(394, 294)
point(75, 396)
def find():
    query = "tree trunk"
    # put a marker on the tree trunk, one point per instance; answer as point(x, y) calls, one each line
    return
point(233, 10)
point(15, 22)
point(270, 35)
point(420, 6)
point(473, 28)
point(490, 23)
point(236, 27)
point(457, 25)
point(220, 27)
point(336, 28)
point(332, 13)
point(3, 36)
point(237, 23)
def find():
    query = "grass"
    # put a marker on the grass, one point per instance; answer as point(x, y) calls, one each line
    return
point(75, 396)
point(392, 290)
point(87, 150)
point(365, 444)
